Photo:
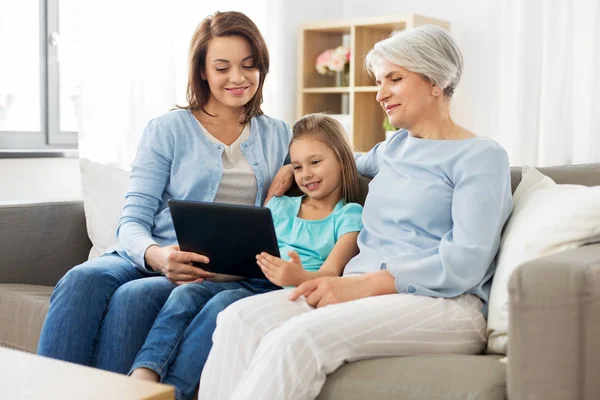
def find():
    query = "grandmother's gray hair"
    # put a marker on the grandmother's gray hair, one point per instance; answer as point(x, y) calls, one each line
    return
point(428, 50)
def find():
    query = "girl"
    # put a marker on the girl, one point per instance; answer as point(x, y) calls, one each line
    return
point(317, 231)
point(220, 147)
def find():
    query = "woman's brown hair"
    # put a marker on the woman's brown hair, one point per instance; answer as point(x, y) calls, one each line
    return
point(331, 132)
point(223, 24)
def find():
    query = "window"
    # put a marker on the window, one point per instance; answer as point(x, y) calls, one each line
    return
point(39, 86)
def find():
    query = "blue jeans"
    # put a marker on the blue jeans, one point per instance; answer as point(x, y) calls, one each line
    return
point(178, 345)
point(101, 312)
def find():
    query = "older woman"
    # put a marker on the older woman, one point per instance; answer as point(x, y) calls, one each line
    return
point(437, 203)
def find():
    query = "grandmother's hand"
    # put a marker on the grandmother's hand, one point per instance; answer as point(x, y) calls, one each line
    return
point(282, 182)
point(330, 290)
point(176, 265)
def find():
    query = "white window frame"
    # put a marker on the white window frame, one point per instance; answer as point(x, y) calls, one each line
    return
point(49, 136)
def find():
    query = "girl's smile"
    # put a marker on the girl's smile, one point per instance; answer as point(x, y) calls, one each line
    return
point(317, 170)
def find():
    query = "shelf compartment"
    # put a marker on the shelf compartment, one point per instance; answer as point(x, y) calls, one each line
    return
point(314, 42)
point(367, 122)
point(331, 103)
point(365, 39)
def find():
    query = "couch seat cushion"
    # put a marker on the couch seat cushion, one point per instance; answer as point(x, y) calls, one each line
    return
point(23, 309)
point(443, 377)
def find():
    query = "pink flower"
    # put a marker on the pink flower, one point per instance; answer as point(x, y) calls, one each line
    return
point(332, 60)
point(324, 57)
point(335, 64)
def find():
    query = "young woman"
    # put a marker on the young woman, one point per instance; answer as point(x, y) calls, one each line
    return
point(220, 147)
point(316, 231)
point(437, 203)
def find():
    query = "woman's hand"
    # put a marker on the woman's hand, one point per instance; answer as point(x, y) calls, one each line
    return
point(333, 290)
point(281, 272)
point(176, 265)
point(281, 182)
point(321, 292)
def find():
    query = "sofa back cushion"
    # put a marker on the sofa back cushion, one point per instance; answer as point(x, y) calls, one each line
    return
point(547, 218)
point(582, 174)
point(104, 188)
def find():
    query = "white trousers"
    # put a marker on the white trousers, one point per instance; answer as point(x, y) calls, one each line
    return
point(267, 347)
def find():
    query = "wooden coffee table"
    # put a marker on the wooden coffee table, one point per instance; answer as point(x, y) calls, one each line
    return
point(27, 376)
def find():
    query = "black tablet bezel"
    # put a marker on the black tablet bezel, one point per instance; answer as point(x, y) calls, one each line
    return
point(229, 235)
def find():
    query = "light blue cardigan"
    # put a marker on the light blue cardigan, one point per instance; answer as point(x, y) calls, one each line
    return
point(175, 160)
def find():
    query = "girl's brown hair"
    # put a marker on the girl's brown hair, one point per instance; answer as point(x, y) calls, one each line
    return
point(223, 24)
point(330, 131)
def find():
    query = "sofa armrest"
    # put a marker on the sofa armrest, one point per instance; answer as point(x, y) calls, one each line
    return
point(554, 327)
point(40, 242)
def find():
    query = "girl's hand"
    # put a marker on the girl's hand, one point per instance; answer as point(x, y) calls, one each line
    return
point(282, 182)
point(176, 265)
point(281, 272)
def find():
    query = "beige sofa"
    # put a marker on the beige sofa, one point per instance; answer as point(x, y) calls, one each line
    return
point(554, 315)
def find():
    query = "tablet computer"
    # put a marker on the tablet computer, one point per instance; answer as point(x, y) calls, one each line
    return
point(229, 235)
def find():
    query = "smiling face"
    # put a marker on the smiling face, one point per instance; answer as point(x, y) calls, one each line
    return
point(317, 170)
point(230, 72)
point(406, 97)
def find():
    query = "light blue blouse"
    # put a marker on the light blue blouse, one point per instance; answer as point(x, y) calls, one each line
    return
point(434, 213)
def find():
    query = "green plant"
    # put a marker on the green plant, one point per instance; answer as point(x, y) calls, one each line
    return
point(387, 126)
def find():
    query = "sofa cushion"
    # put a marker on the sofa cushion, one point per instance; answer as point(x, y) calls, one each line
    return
point(547, 218)
point(447, 377)
point(23, 309)
point(41, 241)
point(104, 188)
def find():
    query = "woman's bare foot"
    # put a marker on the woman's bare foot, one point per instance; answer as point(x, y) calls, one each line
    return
point(145, 374)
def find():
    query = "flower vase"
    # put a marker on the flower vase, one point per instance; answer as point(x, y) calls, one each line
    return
point(342, 78)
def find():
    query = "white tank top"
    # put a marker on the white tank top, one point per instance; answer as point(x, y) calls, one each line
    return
point(238, 184)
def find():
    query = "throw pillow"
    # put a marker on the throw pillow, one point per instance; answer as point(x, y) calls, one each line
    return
point(104, 188)
point(547, 218)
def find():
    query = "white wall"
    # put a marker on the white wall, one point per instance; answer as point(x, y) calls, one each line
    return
point(39, 179)
point(283, 48)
